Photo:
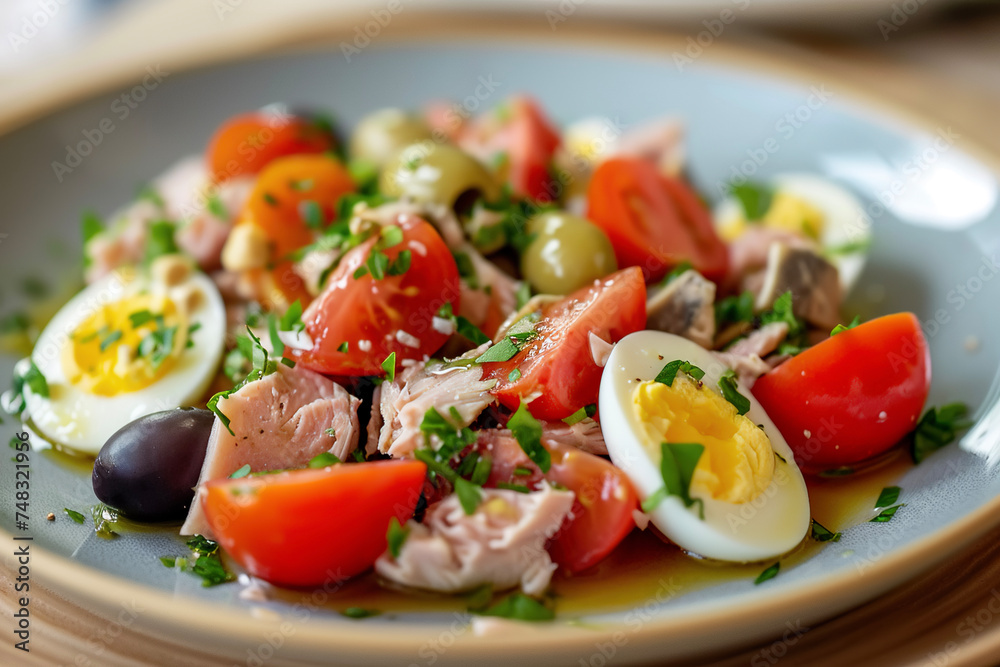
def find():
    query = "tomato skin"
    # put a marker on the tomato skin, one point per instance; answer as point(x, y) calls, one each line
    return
point(602, 510)
point(654, 221)
point(525, 137)
point(275, 204)
point(308, 527)
point(836, 391)
point(246, 143)
point(557, 362)
point(351, 310)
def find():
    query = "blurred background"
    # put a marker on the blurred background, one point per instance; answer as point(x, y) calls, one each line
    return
point(938, 57)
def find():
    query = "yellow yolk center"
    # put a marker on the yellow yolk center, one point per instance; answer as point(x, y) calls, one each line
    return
point(738, 462)
point(787, 212)
point(126, 345)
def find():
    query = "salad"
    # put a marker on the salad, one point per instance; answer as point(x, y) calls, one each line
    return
point(472, 354)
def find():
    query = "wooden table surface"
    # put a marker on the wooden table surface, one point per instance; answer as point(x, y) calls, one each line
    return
point(946, 68)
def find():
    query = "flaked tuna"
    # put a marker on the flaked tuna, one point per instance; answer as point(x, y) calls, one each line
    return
point(502, 543)
point(280, 421)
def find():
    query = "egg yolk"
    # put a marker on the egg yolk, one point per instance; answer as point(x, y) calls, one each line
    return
point(126, 345)
point(787, 212)
point(738, 462)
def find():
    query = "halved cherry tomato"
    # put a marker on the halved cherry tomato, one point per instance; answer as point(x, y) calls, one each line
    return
point(853, 396)
point(521, 139)
point(308, 527)
point(602, 511)
point(284, 193)
point(246, 143)
point(357, 322)
point(654, 221)
point(557, 365)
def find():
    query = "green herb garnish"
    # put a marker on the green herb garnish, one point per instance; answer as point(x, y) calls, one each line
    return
point(889, 496)
point(528, 432)
point(677, 465)
point(938, 428)
point(755, 198)
point(840, 327)
point(669, 372)
point(728, 385)
point(396, 536)
point(160, 240)
point(359, 612)
point(823, 534)
point(241, 472)
point(520, 607)
point(735, 309)
point(769, 573)
point(886, 515)
point(74, 515)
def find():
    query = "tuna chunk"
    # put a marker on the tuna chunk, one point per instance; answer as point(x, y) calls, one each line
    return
point(748, 367)
point(684, 307)
point(502, 543)
point(761, 342)
point(404, 402)
point(280, 421)
point(202, 234)
point(748, 253)
point(813, 282)
point(585, 435)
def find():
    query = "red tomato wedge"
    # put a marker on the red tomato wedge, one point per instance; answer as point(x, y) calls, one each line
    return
point(557, 364)
point(602, 511)
point(244, 144)
point(654, 221)
point(521, 139)
point(853, 396)
point(312, 527)
point(356, 323)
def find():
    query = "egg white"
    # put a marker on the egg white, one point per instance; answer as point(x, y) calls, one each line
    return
point(845, 220)
point(84, 421)
point(770, 525)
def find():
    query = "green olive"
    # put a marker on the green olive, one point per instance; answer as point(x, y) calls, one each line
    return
point(381, 134)
point(430, 172)
point(566, 254)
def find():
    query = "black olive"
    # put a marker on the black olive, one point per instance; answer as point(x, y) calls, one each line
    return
point(148, 469)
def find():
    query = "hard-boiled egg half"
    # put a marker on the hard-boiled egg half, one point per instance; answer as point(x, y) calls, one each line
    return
point(132, 343)
point(815, 208)
point(754, 498)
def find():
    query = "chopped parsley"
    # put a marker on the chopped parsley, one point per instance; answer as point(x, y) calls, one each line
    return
point(90, 226)
point(581, 414)
point(783, 311)
point(216, 207)
point(31, 378)
point(365, 175)
point(160, 240)
point(889, 496)
point(520, 488)
point(208, 564)
point(157, 345)
point(463, 326)
point(938, 428)
point(523, 294)
point(769, 573)
point(241, 472)
point(396, 536)
point(520, 607)
point(452, 440)
point(378, 263)
point(733, 309)
point(466, 269)
point(110, 338)
point(517, 336)
point(514, 375)
point(292, 319)
point(389, 366)
point(886, 515)
point(311, 214)
point(343, 347)
point(848, 248)
point(528, 432)
point(755, 198)
point(514, 216)
point(728, 385)
point(822, 534)
point(677, 464)
point(359, 612)
point(74, 515)
point(323, 460)
point(669, 372)
point(332, 432)
point(468, 494)
point(840, 327)
point(676, 272)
